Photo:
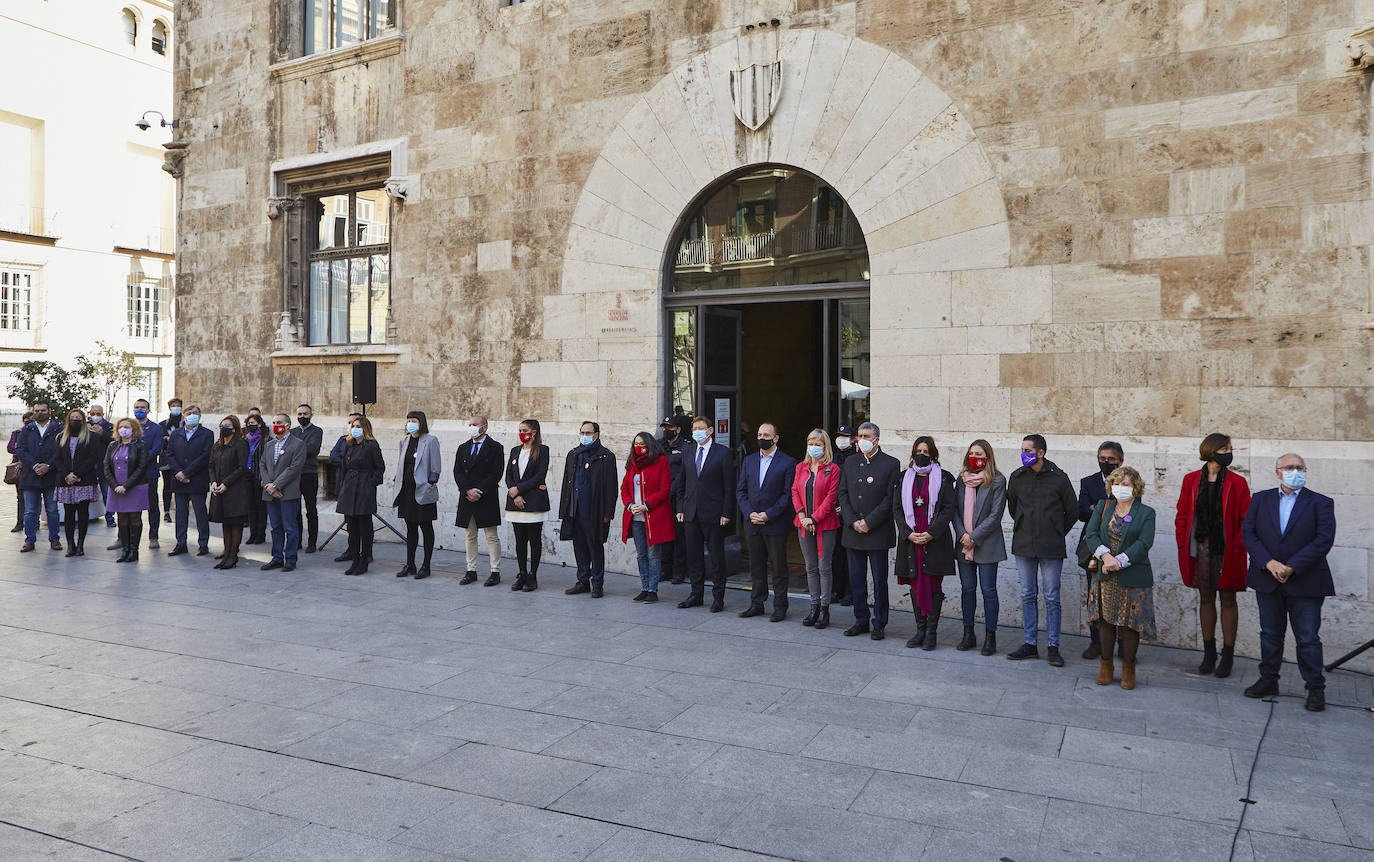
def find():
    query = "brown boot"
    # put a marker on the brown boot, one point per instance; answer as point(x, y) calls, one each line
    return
point(1107, 671)
point(1127, 675)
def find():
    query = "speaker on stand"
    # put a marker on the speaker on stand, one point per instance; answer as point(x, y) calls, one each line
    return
point(364, 383)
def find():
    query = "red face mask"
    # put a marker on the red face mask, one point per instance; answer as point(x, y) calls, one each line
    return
point(641, 450)
point(279, 430)
point(976, 464)
point(526, 436)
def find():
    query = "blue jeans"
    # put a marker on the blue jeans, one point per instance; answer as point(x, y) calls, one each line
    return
point(32, 498)
point(1048, 571)
point(286, 535)
point(186, 503)
point(1304, 613)
point(650, 558)
point(859, 564)
point(104, 495)
point(972, 577)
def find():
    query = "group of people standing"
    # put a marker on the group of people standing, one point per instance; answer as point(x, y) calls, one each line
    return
point(850, 504)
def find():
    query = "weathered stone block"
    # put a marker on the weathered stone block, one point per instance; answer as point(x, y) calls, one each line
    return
point(1089, 293)
point(1202, 287)
point(1215, 190)
point(1168, 411)
point(1332, 179)
point(1026, 369)
point(1002, 296)
point(1177, 236)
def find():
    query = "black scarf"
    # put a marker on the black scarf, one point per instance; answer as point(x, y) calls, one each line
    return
point(1207, 522)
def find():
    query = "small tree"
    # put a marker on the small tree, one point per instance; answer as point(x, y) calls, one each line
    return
point(109, 372)
point(48, 381)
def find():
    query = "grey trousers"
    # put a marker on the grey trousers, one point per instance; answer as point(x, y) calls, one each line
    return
point(819, 566)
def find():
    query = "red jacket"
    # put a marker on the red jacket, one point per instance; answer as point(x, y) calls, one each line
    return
point(1235, 502)
point(657, 484)
point(826, 491)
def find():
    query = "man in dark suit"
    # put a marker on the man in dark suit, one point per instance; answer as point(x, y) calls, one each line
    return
point(477, 469)
point(1091, 491)
point(673, 556)
point(765, 496)
point(312, 436)
point(1288, 532)
point(36, 450)
point(708, 506)
point(188, 463)
point(868, 484)
point(586, 506)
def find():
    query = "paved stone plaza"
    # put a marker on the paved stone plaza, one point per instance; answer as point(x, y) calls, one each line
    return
point(167, 711)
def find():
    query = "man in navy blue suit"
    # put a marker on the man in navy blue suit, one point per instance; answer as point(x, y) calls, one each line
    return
point(708, 505)
point(188, 462)
point(765, 497)
point(1288, 532)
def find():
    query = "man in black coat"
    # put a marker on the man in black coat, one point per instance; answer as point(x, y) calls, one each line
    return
point(1043, 510)
point(764, 494)
point(171, 423)
point(188, 462)
point(312, 436)
point(586, 506)
point(868, 484)
point(839, 566)
point(36, 451)
point(477, 469)
point(1091, 491)
point(707, 507)
point(674, 553)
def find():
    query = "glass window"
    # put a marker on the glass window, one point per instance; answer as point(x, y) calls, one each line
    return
point(771, 227)
point(16, 300)
point(159, 38)
point(685, 358)
point(855, 362)
point(350, 269)
point(147, 305)
point(334, 23)
point(130, 21)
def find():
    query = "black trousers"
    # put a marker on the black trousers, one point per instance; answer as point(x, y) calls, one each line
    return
point(310, 488)
point(359, 536)
point(767, 550)
point(153, 511)
point(257, 520)
point(589, 550)
point(703, 536)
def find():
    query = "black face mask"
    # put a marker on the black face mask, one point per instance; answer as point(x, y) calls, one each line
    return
point(251, 429)
point(40, 418)
point(304, 421)
point(766, 443)
point(669, 433)
point(1223, 459)
point(74, 426)
point(921, 459)
point(1106, 467)
point(226, 430)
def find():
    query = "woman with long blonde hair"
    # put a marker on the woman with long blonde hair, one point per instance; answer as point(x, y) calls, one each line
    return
point(78, 458)
point(814, 490)
point(980, 498)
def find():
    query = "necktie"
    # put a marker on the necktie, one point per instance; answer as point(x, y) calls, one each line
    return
point(476, 447)
point(701, 458)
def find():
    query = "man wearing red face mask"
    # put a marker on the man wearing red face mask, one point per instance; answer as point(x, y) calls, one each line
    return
point(279, 473)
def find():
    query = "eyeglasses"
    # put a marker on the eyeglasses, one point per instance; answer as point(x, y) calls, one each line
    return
point(1298, 467)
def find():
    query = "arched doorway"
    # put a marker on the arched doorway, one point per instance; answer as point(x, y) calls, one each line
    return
point(766, 298)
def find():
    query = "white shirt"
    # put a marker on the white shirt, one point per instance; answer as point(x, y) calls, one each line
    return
point(703, 452)
point(765, 461)
point(43, 429)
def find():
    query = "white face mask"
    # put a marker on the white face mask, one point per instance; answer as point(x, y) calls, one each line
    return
point(474, 432)
point(842, 442)
point(866, 446)
point(1123, 492)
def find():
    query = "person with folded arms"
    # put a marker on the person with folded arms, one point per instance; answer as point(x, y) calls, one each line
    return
point(127, 465)
point(80, 452)
point(362, 472)
point(925, 547)
point(1121, 601)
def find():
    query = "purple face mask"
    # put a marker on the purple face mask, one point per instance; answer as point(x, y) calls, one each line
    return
point(1028, 459)
point(125, 433)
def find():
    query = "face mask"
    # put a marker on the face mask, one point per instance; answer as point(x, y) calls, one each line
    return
point(586, 439)
point(1294, 479)
point(252, 430)
point(766, 443)
point(355, 433)
point(96, 418)
point(814, 451)
point(40, 417)
point(1224, 459)
point(1123, 492)
point(304, 420)
point(474, 432)
point(842, 442)
point(193, 419)
point(226, 430)
point(175, 411)
point(125, 433)
point(921, 459)
point(1028, 459)
point(866, 446)
point(412, 427)
point(976, 464)
point(1106, 467)
point(279, 429)
point(140, 414)
point(641, 450)
point(526, 436)
point(700, 436)
point(669, 433)
point(74, 426)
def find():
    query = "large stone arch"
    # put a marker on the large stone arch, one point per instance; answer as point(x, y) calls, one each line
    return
point(884, 135)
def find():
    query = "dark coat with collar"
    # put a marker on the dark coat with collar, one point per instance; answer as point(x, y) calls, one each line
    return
point(533, 484)
point(482, 472)
point(939, 556)
point(1137, 536)
point(229, 467)
point(140, 463)
point(867, 490)
point(312, 436)
point(362, 471)
point(191, 457)
point(709, 495)
point(85, 462)
point(597, 464)
point(1304, 545)
point(773, 497)
point(989, 504)
point(1043, 510)
point(37, 447)
point(1091, 491)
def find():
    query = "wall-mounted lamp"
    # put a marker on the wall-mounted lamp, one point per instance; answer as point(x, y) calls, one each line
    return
point(144, 125)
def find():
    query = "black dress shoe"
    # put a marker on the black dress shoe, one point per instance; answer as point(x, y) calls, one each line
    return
point(857, 629)
point(691, 602)
point(877, 634)
point(219, 556)
point(640, 597)
point(823, 621)
point(578, 589)
point(779, 614)
point(846, 602)
point(598, 592)
point(406, 571)
point(275, 564)
point(289, 567)
point(1024, 651)
point(650, 598)
point(717, 605)
point(343, 558)
point(467, 578)
point(752, 611)
point(177, 551)
point(519, 582)
point(1316, 700)
point(310, 548)
point(203, 552)
point(1264, 687)
point(422, 573)
point(493, 580)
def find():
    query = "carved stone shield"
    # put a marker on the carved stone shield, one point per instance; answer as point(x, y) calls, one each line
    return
point(755, 90)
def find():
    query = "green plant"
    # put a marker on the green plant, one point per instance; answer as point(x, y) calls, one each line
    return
point(48, 381)
point(110, 371)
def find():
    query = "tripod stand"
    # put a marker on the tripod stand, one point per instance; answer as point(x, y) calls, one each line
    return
point(1348, 656)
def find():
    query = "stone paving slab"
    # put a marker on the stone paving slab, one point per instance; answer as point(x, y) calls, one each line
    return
point(166, 711)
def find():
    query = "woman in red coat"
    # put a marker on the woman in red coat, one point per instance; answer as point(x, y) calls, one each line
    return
point(814, 491)
point(1211, 554)
point(648, 512)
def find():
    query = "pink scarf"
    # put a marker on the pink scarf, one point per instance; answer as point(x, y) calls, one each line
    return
point(971, 482)
point(935, 474)
point(923, 595)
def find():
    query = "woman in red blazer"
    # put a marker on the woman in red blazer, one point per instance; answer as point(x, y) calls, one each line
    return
point(1211, 553)
point(814, 491)
point(648, 513)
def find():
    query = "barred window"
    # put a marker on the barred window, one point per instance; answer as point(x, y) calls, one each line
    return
point(16, 300)
point(148, 308)
point(350, 268)
point(334, 23)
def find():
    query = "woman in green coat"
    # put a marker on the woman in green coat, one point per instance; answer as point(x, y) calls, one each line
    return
point(1121, 603)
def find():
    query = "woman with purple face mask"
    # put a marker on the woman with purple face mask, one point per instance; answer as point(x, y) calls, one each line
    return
point(126, 474)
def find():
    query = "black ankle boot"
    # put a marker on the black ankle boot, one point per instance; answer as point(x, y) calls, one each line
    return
point(1209, 658)
point(519, 582)
point(989, 644)
point(1228, 654)
point(531, 582)
point(823, 621)
point(135, 536)
point(933, 621)
point(123, 544)
point(968, 641)
point(810, 619)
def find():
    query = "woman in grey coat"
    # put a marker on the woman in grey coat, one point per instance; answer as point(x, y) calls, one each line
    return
point(417, 491)
point(980, 498)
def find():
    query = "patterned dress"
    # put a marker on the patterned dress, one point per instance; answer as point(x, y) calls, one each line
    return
point(70, 495)
point(1113, 604)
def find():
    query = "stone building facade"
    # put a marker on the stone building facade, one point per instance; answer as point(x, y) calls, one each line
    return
point(1085, 218)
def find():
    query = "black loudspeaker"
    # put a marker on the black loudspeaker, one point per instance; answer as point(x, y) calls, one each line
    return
point(364, 382)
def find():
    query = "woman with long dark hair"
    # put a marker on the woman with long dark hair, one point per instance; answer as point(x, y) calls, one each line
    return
point(79, 454)
point(417, 490)
point(925, 547)
point(362, 471)
point(648, 517)
point(232, 488)
point(527, 502)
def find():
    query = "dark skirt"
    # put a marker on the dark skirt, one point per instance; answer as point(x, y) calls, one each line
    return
point(409, 510)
